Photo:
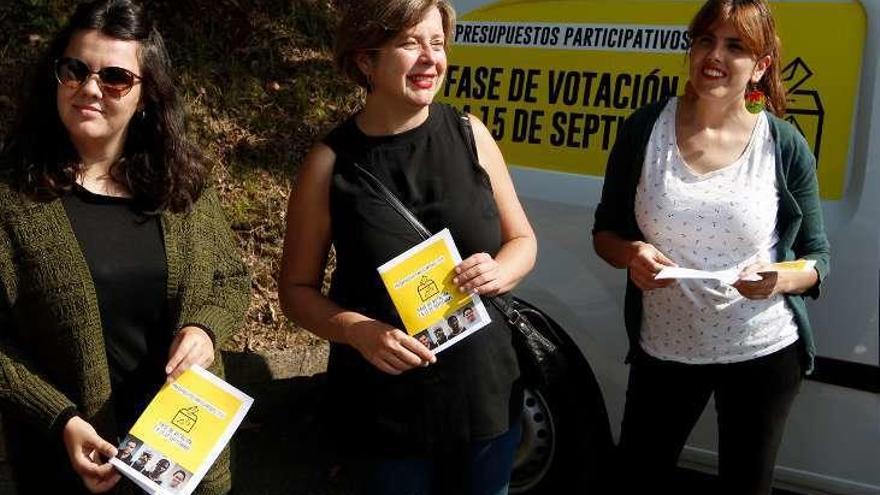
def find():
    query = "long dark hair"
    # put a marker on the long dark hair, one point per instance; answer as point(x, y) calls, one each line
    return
point(159, 166)
point(754, 22)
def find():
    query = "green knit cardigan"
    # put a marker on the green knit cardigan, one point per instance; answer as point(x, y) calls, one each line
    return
point(52, 353)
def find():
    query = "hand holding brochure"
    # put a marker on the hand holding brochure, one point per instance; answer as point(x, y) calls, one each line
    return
point(180, 434)
point(731, 276)
point(432, 308)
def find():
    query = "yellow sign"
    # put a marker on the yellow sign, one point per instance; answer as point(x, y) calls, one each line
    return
point(553, 80)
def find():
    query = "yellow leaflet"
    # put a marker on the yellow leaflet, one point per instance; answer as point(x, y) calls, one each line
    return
point(187, 419)
point(420, 282)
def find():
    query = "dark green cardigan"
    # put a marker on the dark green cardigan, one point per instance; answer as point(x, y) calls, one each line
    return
point(799, 221)
point(52, 354)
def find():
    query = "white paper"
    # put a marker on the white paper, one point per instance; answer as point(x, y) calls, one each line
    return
point(729, 276)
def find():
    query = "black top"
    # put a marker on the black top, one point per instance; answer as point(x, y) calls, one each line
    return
point(125, 252)
point(471, 392)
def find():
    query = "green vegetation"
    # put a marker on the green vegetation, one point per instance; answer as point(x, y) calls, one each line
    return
point(260, 86)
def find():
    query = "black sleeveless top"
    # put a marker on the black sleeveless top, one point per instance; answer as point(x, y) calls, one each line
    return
point(472, 392)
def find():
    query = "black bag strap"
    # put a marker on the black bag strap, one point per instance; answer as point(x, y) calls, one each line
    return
point(467, 131)
point(392, 200)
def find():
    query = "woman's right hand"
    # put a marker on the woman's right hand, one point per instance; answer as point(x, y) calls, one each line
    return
point(645, 262)
point(388, 348)
point(85, 448)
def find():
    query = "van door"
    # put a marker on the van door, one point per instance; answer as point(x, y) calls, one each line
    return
point(553, 81)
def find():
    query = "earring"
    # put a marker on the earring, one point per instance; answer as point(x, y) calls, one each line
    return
point(755, 99)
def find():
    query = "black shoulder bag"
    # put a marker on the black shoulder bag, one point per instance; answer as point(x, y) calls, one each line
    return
point(536, 354)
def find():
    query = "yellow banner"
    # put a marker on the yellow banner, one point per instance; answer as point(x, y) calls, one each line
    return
point(553, 80)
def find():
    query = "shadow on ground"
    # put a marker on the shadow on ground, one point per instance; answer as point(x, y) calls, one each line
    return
point(281, 447)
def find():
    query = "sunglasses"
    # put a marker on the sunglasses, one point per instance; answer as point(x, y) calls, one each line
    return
point(115, 81)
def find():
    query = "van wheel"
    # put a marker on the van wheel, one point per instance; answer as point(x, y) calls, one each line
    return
point(566, 443)
point(537, 447)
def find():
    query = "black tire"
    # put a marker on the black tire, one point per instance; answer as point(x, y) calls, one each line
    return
point(567, 445)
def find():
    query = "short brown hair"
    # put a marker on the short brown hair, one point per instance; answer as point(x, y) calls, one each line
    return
point(754, 23)
point(369, 24)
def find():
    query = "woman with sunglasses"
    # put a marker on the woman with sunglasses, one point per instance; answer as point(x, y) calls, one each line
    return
point(118, 269)
point(409, 421)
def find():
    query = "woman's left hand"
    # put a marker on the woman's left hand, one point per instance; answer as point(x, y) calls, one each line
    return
point(767, 287)
point(192, 345)
point(479, 274)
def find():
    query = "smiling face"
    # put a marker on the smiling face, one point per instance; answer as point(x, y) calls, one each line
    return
point(95, 118)
point(721, 65)
point(409, 68)
point(177, 479)
point(469, 314)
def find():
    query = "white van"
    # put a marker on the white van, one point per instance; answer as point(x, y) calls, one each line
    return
point(553, 80)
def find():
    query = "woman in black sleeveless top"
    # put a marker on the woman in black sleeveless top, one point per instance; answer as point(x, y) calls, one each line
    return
point(415, 423)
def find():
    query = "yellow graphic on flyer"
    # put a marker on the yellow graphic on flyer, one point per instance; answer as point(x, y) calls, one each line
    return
point(801, 265)
point(186, 418)
point(421, 286)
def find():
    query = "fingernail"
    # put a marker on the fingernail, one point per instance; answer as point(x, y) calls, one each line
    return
point(455, 280)
point(457, 270)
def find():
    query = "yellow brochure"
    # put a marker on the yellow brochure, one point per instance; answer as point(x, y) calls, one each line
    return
point(430, 305)
point(182, 431)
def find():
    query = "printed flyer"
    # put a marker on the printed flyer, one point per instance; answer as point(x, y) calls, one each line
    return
point(180, 434)
point(731, 275)
point(432, 308)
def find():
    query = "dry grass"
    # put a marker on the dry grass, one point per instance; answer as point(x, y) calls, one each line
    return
point(259, 84)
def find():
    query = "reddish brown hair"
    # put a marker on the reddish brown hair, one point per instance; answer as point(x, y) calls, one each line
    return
point(754, 22)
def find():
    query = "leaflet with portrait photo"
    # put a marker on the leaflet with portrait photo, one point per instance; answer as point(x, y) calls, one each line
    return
point(432, 308)
point(180, 434)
